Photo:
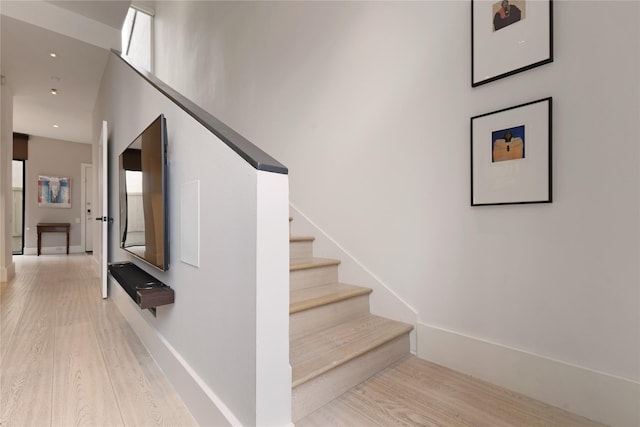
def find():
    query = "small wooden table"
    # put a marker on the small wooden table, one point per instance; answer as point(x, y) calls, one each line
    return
point(52, 227)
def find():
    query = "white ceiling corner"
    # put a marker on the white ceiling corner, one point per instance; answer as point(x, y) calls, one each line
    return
point(81, 33)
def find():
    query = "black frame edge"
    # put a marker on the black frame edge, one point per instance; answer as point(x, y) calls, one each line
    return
point(550, 163)
point(518, 70)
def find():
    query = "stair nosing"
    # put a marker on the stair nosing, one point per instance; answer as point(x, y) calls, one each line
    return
point(327, 299)
point(314, 263)
point(403, 329)
point(301, 238)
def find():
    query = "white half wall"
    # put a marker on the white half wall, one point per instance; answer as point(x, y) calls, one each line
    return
point(226, 336)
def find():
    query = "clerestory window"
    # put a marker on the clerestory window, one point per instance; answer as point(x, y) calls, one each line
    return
point(137, 37)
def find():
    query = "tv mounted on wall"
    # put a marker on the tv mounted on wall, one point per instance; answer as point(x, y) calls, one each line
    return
point(144, 221)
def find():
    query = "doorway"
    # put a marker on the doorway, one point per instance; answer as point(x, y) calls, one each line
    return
point(17, 190)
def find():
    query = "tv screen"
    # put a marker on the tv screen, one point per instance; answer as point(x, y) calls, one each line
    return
point(143, 196)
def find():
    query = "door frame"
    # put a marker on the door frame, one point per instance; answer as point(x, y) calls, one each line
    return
point(103, 186)
point(24, 191)
point(83, 201)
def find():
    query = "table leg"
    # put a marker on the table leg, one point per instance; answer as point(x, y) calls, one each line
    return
point(39, 242)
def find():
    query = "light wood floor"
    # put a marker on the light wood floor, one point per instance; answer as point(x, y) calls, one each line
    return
point(69, 358)
point(414, 392)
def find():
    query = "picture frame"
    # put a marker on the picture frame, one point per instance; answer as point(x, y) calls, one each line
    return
point(511, 155)
point(504, 43)
point(54, 192)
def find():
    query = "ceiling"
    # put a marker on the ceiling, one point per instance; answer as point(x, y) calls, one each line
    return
point(81, 34)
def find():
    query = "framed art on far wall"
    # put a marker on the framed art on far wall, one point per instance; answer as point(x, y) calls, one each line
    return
point(511, 155)
point(508, 37)
point(54, 192)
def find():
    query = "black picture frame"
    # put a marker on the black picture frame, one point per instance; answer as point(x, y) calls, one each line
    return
point(511, 155)
point(506, 44)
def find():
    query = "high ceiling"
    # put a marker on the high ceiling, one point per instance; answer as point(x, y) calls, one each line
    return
point(80, 33)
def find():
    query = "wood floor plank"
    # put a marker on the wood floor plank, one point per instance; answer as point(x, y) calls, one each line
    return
point(69, 358)
point(82, 390)
point(482, 396)
point(13, 299)
point(144, 395)
point(414, 392)
point(26, 372)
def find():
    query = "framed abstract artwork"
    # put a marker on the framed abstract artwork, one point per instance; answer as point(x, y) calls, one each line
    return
point(511, 155)
point(54, 192)
point(508, 37)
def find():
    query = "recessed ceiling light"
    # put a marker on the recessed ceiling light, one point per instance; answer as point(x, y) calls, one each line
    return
point(54, 91)
point(56, 126)
point(52, 54)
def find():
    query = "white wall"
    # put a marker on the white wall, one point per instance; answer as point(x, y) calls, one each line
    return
point(224, 342)
point(54, 157)
point(7, 267)
point(368, 104)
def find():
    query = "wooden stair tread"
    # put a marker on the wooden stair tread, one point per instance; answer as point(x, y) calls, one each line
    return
point(314, 263)
point(305, 299)
point(313, 355)
point(301, 238)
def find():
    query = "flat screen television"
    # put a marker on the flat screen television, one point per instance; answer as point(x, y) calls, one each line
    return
point(144, 221)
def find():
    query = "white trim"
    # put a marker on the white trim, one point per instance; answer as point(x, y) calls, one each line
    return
point(205, 406)
point(54, 250)
point(383, 300)
point(96, 264)
point(596, 395)
point(7, 273)
point(147, 7)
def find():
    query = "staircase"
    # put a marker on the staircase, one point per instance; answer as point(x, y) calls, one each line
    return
point(335, 342)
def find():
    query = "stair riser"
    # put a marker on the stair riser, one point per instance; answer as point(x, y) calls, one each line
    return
point(316, 319)
point(313, 394)
point(307, 278)
point(301, 251)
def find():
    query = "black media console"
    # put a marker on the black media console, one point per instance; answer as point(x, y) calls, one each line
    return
point(143, 288)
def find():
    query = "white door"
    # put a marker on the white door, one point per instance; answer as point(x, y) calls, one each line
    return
point(103, 190)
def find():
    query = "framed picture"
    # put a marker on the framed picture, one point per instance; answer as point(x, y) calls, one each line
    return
point(54, 192)
point(508, 37)
point(511, 155)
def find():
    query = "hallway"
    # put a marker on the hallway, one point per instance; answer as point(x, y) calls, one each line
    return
point(68, 357)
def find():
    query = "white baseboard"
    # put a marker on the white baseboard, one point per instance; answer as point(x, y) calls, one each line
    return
point(7, 273)
point(205, 406)
point(54, 250)
point(595, 395)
